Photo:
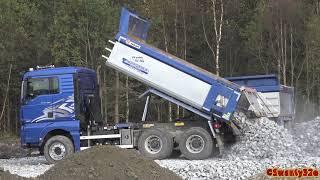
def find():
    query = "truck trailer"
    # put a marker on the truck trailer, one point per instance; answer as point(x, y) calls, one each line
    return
point(60, 111)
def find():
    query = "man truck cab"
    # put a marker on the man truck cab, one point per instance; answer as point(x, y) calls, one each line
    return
point(54, 102)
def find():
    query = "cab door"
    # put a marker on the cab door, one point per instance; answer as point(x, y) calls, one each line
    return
point(37, 100)
point(63, 100)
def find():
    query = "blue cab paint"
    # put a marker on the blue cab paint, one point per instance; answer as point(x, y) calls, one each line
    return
point(42, 114)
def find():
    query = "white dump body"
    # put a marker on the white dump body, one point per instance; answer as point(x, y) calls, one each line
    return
point(159, 75)
point(272, 101)
point(279, 104)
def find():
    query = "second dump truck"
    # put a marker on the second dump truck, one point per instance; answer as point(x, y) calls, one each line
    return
point(60, 111)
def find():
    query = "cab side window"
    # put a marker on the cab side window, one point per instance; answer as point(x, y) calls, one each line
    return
point(41, 86)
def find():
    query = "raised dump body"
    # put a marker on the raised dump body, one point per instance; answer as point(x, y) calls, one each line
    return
point(171, 75)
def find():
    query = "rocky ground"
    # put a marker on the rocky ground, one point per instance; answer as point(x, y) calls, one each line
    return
point(264, 144)
point(232, 168)
point(306, 135)
point(264, 139)
point(5, 175)
point(26, 166)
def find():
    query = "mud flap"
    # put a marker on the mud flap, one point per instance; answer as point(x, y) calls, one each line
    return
point(220, 144)
point(235, 128)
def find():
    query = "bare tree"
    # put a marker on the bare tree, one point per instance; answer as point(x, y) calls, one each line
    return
point(127, 99)
point(317, 6)
point(184, 39)
point(105, 97)
point(291, 54)
point(176, 44)
point(218, 32)
point(166, 48)
point(100, 89)
point(6, 97)
point(116, 94)
point(283, 46)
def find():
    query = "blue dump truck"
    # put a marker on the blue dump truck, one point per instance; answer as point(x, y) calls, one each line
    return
point(60, 110)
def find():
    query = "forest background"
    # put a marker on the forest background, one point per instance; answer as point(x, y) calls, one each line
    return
point(226, 37)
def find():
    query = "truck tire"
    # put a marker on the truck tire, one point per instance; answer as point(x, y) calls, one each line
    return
point(196, 143)
point(155, 144)
point(57, 148)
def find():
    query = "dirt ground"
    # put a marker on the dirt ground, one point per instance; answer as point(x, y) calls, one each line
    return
point(12, 151)
point(5, 175)
point(100, 162)
point(10, 148)
point(108, 162)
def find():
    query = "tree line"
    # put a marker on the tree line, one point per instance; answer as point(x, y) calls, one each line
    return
point(226, 37)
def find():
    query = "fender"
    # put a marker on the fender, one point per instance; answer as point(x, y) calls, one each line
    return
point(72, 127)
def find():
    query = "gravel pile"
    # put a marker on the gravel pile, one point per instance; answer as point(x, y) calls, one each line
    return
point(263, 138)
point(26, 167)
point(232, 168)
point(5, 175)
point(306, 135)
point(264, 144)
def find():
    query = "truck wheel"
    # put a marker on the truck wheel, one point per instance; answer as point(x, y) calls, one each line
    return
point(155, 144)
point(57, 148)
point(196, 143)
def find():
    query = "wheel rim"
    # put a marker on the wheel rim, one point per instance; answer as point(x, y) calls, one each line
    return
point(57, 151)
point(153, 144)
point(195, 144)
